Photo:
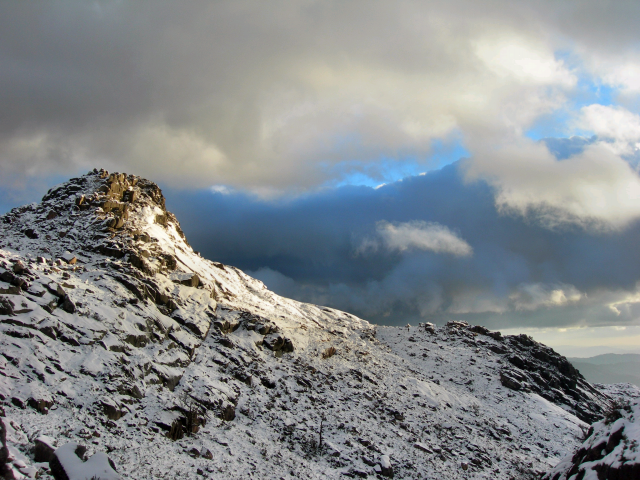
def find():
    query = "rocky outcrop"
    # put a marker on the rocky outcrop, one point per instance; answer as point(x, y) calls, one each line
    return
point(530, 366)
point(611, 450)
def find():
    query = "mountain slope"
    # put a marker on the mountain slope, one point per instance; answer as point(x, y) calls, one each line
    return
point(115, 334)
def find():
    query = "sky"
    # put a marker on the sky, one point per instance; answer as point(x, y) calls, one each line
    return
point(406, 161)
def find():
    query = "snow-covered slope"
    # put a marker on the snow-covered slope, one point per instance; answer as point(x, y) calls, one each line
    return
point(611, 449)
point(116, 335)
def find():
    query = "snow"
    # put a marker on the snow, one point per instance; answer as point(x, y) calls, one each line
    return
point(613, 442)
point(97, 467)
point(119, 371)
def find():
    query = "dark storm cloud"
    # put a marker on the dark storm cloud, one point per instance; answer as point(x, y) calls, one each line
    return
point(518, 274)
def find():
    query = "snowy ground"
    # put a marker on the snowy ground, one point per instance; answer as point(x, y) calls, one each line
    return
point(139, 339)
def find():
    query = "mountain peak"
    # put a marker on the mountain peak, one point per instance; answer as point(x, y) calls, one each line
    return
point(113, 214)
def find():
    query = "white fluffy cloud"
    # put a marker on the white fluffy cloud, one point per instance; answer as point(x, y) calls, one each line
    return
point(525, 60)
point(416, 235)
point(594, 189)
point(613, 123)
point(532, 296)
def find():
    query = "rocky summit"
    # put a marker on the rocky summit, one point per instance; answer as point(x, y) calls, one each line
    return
point(125, 354)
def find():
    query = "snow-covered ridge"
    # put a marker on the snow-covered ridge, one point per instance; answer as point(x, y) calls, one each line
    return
point(115, 334)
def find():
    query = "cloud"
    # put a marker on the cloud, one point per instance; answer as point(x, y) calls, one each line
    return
point(594, 189)
point(286, 96)
point(520, 274)
point(522, 59)
point(535, 295)
point(613, 123)
point(591, 183)
point(416, 235)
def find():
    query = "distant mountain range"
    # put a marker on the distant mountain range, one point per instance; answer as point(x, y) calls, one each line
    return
point(610, 368)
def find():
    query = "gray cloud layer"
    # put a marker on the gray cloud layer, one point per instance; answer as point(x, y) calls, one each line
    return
point(286, 95)
point(520, 273)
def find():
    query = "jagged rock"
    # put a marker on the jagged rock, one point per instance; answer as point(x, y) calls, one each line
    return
point(7, 276)
point(67, 305)
point(225, 326)
point(479, 329)
point(31, 233)
point(55, 289)
point(111, 408)
point(170, 377)
point(131, 390)
point(278, 343)
point(12, 290)
point(187, 279)
point(41, 403)
point(511, 380)
point(69, 258)
point(495, 335)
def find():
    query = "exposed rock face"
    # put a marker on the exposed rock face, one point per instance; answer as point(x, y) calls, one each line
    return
point(116, 334)
point(611, 450)
point(535, 367)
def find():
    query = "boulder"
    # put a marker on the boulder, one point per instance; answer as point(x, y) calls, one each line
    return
point(430, 327)
point(69, 258)
point(111, 408)
point(479, 329)
point(31, 233)
point(7, 276)
point(18, 267)
point(68, 464)
point(194, 281)
point(329, 352)
point(44, 449)
point(228, 413)
point(386, 469)
point(510, 380)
